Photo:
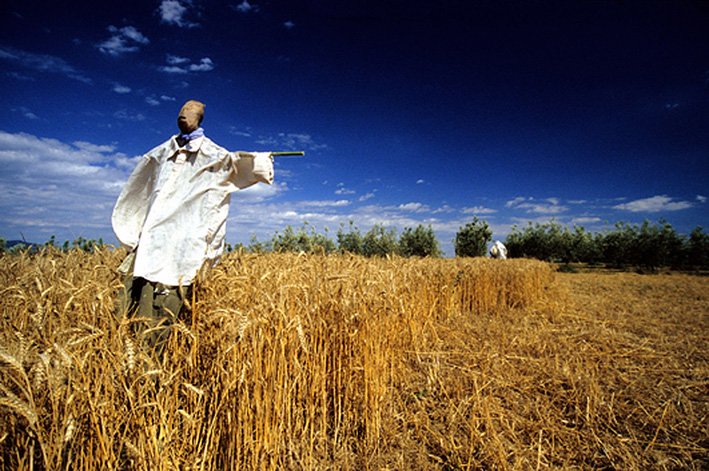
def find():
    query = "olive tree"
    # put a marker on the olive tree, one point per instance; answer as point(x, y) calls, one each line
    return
point(471, 240)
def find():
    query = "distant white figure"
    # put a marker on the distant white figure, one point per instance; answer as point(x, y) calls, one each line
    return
point(498, 251)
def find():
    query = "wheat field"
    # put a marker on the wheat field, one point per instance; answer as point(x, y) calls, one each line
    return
point(306, 362)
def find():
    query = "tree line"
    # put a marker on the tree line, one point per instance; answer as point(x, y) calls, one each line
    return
point(87, 245)
point(650, 245)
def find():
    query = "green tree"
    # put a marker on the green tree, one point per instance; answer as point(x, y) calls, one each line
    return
point(379, 242)
point(582, 246)
point(617, 245)
point(472, 240)
point(255, 246)
point(420, 241)
point(656, 245)
point(304, 239)
point(52, 242)
point(698, 248)
point(321, 243)
point(541, 241)
point(350, 241)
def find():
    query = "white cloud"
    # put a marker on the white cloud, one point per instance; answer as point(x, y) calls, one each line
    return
point(126, 39)
point(418, 182)
point(89, 147)
point(76, 187)
point(173, 70)
point(26, 112)
point(326, 204)
point(551, 206)
point(543, 208)
point(42, 63)
point(654, 204)
point(152, 101)
point(289, 24)
point(585, 220)
point(176, 59)
point(205, 65)
point(130, 32)
point(415, 207)
point(515, 201)
point(126, 116)
point(244, 7)
point(478, 210)
point(118, 88)
point(290, 141)
point(444, 209)
point(173, 12)
point(701, 199)
point(366, 197)
point(181, 65)
point(343, 191)
point(236, 132)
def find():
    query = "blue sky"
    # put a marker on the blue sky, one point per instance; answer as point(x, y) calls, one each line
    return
point(410, 112)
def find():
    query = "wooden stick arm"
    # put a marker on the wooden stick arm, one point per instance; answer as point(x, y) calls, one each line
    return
point(286, 154)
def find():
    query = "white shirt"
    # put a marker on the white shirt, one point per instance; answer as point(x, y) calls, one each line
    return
point(173, 208)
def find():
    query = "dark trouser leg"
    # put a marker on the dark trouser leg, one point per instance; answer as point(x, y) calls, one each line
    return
point(167, 304)
point(128, 297)
point(157, 305)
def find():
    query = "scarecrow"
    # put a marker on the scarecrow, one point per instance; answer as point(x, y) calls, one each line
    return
point(171, 216)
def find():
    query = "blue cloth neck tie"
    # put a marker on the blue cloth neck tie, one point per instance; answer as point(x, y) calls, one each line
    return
point(199, 132)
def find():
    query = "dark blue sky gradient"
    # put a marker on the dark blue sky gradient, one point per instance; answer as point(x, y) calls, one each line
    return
point(590, 112)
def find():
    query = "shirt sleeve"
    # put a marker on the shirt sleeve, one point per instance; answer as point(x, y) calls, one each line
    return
point(132, 205)
point(248, 168)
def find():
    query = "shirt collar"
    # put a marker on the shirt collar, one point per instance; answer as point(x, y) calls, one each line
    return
point(194, 144)
point(191, 146)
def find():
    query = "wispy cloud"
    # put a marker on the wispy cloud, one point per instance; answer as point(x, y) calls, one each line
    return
point(237, 132)
point(174, 60)
point(342, 190)
point(415, 207)
point(245, 7)
point(325, 203)
point(585, 220)
point(125, 115)
point(56, 197)
point(26, 112)
point(123, 40)
point(173, 12)
point(118, 88)
point(181, 65)
point(518, 200)
point(655, 204)
point(531, 205)
point(42, 63)
point(205, 65)
point(291, 141)
point(478, 210)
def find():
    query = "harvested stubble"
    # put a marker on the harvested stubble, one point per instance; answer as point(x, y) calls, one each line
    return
point(316, 362)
